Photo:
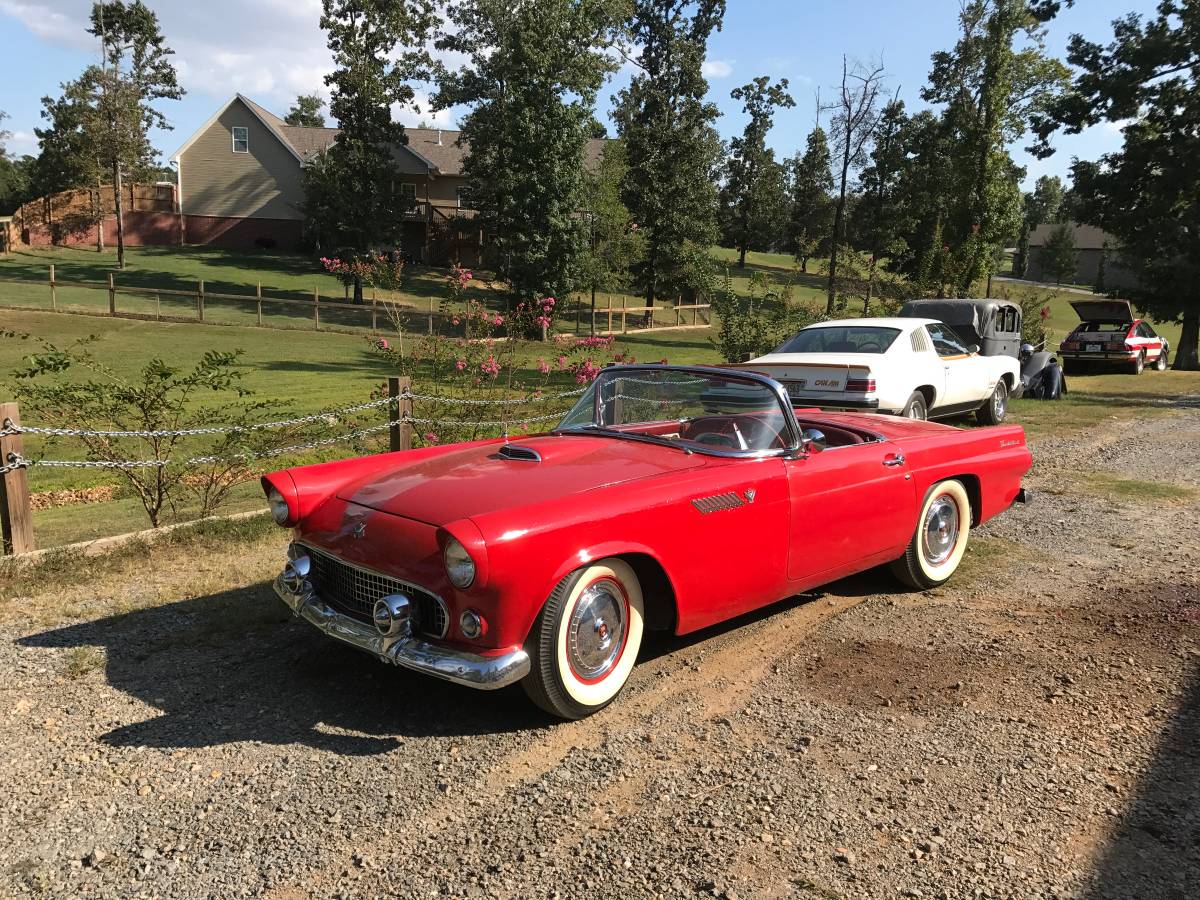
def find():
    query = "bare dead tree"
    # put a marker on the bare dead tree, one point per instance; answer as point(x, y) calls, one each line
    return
point(855, 117)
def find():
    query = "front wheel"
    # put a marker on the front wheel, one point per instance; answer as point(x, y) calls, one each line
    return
point(585, 641)
point(940, 539)
point(994, 410)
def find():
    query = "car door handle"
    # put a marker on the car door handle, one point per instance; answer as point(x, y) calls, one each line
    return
point(894, 459)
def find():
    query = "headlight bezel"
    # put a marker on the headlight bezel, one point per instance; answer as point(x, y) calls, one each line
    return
point(460, 566)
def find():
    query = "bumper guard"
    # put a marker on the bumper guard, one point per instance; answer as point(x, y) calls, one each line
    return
point(486, 673)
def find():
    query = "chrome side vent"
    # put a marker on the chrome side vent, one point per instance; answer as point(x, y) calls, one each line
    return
point(515, 451)
point(718, 502)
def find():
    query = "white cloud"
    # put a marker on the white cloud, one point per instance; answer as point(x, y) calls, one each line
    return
point(21, 142)
point(717, 68)
point(59, 21)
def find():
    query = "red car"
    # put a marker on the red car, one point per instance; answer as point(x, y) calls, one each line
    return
point(669, 498)
point(1109, 335)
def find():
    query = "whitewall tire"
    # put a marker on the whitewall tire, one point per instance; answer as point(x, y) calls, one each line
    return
point(940, 538)
point(586, 639)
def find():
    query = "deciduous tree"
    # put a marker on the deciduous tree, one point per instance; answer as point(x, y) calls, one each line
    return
point(1146, 193)
point(613, 241)
point(1058, 256)
point(667, 127)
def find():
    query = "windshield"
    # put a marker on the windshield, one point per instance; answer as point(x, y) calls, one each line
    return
point(841, 339)
point(691, 408)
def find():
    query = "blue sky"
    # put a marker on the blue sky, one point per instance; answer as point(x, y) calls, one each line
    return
point(271, 50)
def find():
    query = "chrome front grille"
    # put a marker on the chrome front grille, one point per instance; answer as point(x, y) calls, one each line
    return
point(355, 591)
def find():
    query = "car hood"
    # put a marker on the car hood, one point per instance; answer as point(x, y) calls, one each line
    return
point(1103, 310)
point(474, 480)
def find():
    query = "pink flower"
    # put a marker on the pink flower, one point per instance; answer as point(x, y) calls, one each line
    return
point(498, 320)
point(543, 367)
point(562, 362)
point(1045, 312)
point(430, 437)
point(490, 367)
point(382, 344)
point(455, 320)
point(633, 227)
point(460, 364)
point(586, 372)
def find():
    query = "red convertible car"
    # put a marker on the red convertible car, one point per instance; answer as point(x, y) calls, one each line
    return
point(669, 498)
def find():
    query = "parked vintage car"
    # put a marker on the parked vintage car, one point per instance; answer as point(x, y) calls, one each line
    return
point(669, 498)
point(1108, 335)
point(915, 367)
point(995, 326)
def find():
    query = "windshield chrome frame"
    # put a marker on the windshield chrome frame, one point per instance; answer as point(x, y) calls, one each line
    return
point(778, 390)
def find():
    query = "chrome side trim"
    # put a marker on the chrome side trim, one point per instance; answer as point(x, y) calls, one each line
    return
point(487, 673)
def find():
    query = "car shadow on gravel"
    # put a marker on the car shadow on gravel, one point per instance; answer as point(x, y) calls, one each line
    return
point(1157, 842)
point(237, 666)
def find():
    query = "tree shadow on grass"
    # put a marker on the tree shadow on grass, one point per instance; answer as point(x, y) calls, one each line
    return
point(1155, 850)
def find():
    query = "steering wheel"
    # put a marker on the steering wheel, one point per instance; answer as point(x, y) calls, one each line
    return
point(716, 439)
point(743, 433)
point(870, 347)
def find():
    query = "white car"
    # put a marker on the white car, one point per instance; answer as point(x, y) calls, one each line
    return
point(917, 368)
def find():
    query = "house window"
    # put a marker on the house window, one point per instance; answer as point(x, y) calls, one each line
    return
point(464, 197)
point(241, 139)
point(408, 192)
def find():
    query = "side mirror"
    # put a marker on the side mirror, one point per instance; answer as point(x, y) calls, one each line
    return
point(973, 348)
point(812, 440)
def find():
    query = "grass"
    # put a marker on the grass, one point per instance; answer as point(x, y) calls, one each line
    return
point(1109, 485)
point(83, 660)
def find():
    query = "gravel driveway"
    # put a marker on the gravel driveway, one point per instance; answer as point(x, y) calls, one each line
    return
point(1032, 730)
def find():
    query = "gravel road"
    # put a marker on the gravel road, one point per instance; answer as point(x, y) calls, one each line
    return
point(1031, 730)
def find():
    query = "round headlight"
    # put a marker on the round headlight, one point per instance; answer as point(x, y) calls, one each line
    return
point(460, 568)
point(279, 508)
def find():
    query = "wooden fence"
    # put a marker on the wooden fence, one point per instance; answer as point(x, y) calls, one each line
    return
point(192, 305)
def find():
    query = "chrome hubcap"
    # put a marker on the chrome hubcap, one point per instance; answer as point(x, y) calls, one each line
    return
point(941, 530)
point(596, 631)
point(999, 404)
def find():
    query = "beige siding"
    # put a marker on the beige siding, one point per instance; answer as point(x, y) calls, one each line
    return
point(264, 183)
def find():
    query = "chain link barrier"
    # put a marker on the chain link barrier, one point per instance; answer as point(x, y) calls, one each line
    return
point(17, 461)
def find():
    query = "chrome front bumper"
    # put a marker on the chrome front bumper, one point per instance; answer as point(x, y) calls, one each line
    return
point(486, 673)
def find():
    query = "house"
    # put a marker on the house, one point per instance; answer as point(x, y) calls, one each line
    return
point(1092, 245)
point(240, 183)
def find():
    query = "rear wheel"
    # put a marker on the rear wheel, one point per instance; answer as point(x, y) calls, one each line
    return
point(940, 539)
point(585, 641)
point(915, 407)
point(994, 410)
point(1160, 364)
point(1138, 364)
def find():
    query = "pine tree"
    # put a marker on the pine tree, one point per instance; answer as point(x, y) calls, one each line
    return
point(672, 147)
point(614, 243)
point(306, 111)
point(754, 180)
point(353, 203)
point(531, 76)
point(811, 218)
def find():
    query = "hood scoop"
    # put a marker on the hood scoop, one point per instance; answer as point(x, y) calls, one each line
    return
point(517, 452)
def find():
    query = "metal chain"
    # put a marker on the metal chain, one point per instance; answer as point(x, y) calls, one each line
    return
point(9, 428)
point(512, 402)
point(515, 420)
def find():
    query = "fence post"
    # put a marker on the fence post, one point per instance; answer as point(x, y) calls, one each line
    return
point(610, 310)
point(624, 324)
point(258, 301)
point(374, 314)
point(157, 307)
point(53, 289)
point(317, 309)
point(400, 434)
point(16, 520)
point(112, 295)
point(200, 300)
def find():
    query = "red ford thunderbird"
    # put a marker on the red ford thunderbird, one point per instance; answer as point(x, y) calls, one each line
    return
point(669, 498)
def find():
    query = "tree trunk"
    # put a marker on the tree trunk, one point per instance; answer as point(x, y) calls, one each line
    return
point(742, 257)
point(98, 200)
point(1187, 358)
point(358, 290)
point(119, 207)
